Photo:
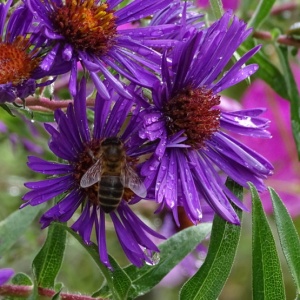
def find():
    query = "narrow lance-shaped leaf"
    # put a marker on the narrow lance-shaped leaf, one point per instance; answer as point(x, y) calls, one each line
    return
point(208, 282)
point(14, 226)
point(293, 94)
point(48, 261)
point(288, 236)
point(171, 253)
point(267, 281)
point(262, 11)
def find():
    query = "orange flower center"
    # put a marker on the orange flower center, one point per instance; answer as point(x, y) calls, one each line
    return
point(85, 25)
point(16, 63)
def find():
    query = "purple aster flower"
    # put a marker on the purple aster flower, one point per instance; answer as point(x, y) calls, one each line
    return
point(90, 32)
point(193, 133)
point(19, 59)
point(5, 275)
point(72, 142)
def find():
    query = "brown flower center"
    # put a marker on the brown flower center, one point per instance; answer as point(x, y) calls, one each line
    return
point(192, 110)
point(85, 25)
point(16, 62)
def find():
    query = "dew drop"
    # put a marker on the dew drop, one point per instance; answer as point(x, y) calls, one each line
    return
point(155, 258)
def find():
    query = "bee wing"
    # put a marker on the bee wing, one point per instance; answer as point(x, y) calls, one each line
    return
point(92, 175)
point(132, 180)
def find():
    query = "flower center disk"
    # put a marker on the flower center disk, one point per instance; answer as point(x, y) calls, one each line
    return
point(16, 64)
point(192, 110)
point(85, 25)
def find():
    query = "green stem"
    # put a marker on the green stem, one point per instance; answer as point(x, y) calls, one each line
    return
point(25, 291)
point(45, 104)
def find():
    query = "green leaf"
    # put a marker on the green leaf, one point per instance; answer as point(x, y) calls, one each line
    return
point(267, 71)
point(37, 115)
point(293, 94)
point(58, 288)
point(103, 292)
point(261, 13)
point(217, 8)
point(172, 252)
point(48, 261)
point(21, 279)
point(14, 226)
point(56, 296)
point(267, 281)
point(117, 280)
point(208, 282)
point(30, 114)
point(121, 283)
point(288, 236)
point(7, 109)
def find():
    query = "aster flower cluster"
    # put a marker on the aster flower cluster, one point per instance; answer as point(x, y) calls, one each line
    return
point(157, 132)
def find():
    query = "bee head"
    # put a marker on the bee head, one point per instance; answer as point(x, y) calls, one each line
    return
point(111, 141)
point(112, 148)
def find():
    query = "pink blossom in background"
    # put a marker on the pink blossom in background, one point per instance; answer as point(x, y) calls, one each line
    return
point(281, 149)
point(129, 25)
point(227, 4)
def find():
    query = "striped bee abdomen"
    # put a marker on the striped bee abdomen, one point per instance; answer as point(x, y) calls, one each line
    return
point(111, 191)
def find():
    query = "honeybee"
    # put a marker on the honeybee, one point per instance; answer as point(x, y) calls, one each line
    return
point(113, 174)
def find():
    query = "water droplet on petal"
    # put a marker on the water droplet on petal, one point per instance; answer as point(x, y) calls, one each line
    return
point(155, 258)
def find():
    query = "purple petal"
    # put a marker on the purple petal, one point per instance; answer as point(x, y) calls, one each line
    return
point(80, 112)
point(5, 275)
point(48, 167)
point(84, 224)
point(139, 9)
point(101, 238)
point(246, 123)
